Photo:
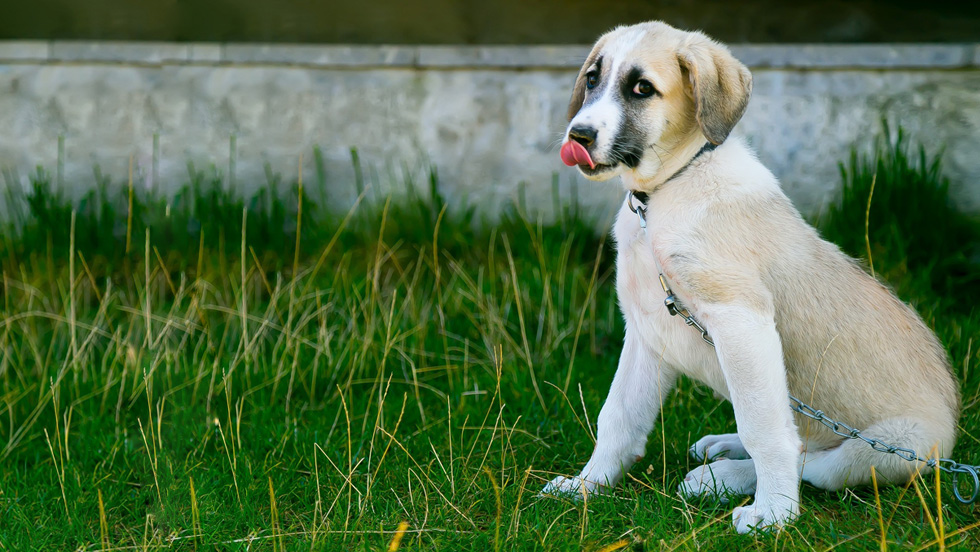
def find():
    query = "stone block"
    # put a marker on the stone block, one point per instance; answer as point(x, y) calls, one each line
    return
point(23, 50)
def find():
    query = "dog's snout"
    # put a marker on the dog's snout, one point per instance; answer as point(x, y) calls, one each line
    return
point(583, 135)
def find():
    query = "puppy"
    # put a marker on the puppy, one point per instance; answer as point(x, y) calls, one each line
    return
point(788, 312)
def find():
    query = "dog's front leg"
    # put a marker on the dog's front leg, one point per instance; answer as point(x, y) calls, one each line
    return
point(638, 389)
point(751, 357)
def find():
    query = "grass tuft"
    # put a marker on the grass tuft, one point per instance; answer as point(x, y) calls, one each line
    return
point(899, 196)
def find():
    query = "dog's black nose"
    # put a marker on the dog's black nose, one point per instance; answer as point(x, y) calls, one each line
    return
point(583, 135)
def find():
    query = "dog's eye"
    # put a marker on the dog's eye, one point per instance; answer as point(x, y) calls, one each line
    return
point(643, 89)
point(591, 79)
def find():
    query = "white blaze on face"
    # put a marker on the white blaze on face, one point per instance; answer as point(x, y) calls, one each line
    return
point(605, 113)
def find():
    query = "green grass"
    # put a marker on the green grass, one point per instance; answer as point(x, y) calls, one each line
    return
point(211, 389)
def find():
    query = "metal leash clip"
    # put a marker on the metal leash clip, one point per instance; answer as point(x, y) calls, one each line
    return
point(639, 210)
point(671, 303)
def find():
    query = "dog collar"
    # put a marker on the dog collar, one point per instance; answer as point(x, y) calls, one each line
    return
point(643, 197)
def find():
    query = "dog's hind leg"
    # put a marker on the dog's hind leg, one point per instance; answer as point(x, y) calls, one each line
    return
point(849, 464)
point(720, 479)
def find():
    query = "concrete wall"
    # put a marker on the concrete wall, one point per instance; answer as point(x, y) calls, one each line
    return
point(488, 118)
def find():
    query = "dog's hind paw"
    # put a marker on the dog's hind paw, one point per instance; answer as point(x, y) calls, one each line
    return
point(712, 447)
point(720, 479)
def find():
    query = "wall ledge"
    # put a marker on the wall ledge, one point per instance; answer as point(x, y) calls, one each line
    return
point(558, 57)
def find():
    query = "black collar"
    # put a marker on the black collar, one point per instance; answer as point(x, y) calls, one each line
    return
point(642, 197)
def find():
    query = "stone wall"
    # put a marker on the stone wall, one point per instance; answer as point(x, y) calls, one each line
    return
point(489, 118)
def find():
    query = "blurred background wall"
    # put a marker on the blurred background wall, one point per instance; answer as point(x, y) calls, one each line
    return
point(477, 90)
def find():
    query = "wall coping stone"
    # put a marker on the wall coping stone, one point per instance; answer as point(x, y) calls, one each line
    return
point(558, 57)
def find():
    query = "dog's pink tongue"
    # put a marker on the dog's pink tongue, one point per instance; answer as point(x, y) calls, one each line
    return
point(573, 153)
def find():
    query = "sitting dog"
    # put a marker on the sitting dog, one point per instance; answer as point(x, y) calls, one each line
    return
point(788, 312)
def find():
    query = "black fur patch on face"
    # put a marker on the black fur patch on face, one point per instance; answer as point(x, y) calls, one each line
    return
point(630, 142)
point(634, 76)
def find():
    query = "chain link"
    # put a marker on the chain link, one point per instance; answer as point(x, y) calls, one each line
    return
point(675, 308)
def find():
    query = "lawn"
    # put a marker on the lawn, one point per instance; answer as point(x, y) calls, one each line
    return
point(219, 372)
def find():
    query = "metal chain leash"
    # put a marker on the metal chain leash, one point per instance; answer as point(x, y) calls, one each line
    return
point(947, 465)
point(943, 464)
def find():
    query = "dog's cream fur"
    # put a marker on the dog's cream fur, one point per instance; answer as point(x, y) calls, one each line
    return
point(788, 312)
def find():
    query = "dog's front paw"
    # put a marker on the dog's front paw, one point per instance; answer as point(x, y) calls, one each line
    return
point(720, 479)
point(574, 487)
point(712, 447)
point(755, 518)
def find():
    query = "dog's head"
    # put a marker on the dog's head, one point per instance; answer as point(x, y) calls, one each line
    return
point(645, 90)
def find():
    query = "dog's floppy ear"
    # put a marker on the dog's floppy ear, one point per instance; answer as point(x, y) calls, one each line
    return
point(578, 91)
point(721, 86)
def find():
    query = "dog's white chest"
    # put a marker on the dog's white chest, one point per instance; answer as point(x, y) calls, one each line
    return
point(641, 299)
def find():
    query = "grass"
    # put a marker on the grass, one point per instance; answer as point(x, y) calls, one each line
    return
point(405, 378)
point(918, 241)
